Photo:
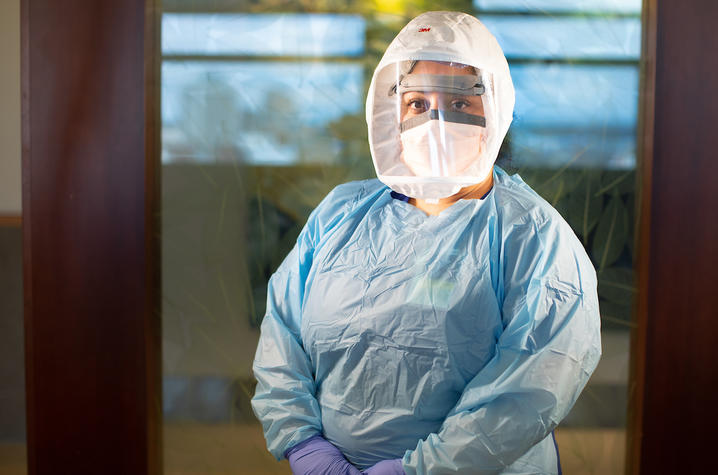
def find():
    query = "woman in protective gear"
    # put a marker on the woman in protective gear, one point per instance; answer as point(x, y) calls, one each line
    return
point(441, 319)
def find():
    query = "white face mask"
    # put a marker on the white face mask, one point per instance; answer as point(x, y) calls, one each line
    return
point(445, 149)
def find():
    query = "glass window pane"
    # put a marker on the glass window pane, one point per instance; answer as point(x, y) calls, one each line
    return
point(12, 356)
point(282, 109)
point(553, 6)
point(548, 37)
point(249, 147)
point(263, 114)
point(573, 140)
point(263, 34)
point(574, 114)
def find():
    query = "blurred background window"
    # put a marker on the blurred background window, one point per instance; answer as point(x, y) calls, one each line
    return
point(263, 114)
point(575, 69)
point(237, 82)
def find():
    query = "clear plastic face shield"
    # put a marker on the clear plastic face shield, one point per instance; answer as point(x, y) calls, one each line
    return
point(434, 129)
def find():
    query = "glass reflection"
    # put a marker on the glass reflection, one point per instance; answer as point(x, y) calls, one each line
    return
point(262, 115)
point(579, 115)
point(554, 6)
point(550, 37)
point(263, 34)
point(281, 108)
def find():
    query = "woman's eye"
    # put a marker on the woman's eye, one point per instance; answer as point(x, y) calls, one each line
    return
point(460, 105)
point(417, 105)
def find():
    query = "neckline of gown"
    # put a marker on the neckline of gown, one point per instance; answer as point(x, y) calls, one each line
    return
point(417, 218)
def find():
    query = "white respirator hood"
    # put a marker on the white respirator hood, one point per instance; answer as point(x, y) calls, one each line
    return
point(447, 37)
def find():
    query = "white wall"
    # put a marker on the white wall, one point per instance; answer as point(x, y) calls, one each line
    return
point(10, 196)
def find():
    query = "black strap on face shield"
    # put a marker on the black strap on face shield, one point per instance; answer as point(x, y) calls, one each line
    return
point(446, 116)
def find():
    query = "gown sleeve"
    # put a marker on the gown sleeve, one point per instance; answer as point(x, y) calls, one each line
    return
point(549, 347)
point(284, 400)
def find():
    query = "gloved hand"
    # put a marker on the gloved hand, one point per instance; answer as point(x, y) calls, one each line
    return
point(317, 456)
point(386, 467)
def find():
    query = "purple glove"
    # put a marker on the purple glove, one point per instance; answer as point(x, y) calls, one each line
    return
point(317, 456)
point(386, 467)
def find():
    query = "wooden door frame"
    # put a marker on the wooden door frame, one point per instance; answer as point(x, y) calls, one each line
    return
point(90, 152)
point(672, 412)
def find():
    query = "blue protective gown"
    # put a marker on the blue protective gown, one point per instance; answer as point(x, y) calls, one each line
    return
point(456, 342)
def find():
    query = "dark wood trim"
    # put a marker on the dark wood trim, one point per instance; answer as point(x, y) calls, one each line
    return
point(90, 150)
point(26, 157)
point(636, 391)
point(8, 221)
point(153, 226)
point(673, 419)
